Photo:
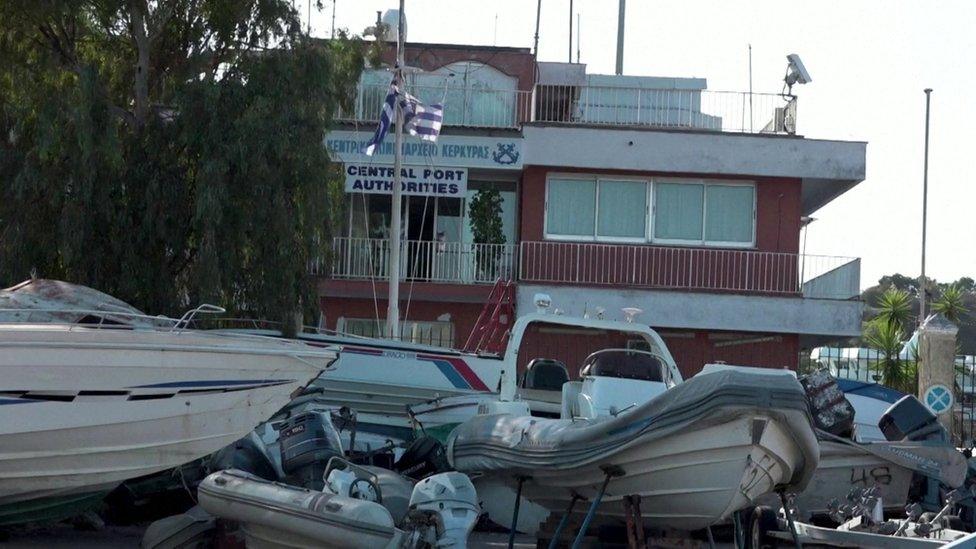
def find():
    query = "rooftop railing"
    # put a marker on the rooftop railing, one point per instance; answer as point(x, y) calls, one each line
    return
point(741, 112)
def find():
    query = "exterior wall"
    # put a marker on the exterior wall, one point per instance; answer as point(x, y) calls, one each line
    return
point(675, 309)
point(777, 204)
point(516, 62)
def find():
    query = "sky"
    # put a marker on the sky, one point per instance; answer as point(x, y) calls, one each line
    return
point(869, 61)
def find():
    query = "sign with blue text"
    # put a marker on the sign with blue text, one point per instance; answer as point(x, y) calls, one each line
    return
point(461, 151)
point(415, 180)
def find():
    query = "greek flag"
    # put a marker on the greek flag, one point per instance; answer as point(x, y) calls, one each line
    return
point(423, 121)
point(385, 118)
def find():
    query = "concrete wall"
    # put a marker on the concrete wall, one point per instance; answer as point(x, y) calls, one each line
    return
point(705, 311)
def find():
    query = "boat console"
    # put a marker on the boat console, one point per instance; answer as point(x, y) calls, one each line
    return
point(614, 381)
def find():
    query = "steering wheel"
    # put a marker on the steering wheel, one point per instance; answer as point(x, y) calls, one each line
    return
point(364, 489)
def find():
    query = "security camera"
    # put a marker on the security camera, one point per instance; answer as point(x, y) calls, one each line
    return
point(796, 73)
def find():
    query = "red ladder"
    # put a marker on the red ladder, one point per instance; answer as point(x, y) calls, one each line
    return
point(491, 331)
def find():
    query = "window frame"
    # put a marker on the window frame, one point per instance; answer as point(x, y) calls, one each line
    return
point(704, 242)
point(594, 234)
point(650, 213)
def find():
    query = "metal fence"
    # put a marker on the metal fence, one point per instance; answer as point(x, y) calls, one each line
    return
point(873, 366)
point(599, 105)
point(421, 260)
point(666, 108)
point(689, 268)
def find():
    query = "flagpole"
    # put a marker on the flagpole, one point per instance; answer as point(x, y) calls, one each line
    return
point(393, 298)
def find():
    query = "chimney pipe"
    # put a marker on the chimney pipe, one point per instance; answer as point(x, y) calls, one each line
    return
point(620, 37)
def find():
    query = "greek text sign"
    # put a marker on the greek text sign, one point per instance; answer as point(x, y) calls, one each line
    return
point(462, 151)
point(415, 180)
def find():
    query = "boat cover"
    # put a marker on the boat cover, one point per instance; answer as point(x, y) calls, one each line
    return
point(42, 300)
point(514, 444)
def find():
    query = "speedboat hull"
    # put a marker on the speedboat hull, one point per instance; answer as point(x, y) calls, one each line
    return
point(84, 409)
point(701, 451)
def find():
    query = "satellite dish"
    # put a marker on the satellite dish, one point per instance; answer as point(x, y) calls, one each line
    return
point(391, 20)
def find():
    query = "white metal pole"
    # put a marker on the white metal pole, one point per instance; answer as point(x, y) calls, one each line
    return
point(925, 204)
point(393, 306)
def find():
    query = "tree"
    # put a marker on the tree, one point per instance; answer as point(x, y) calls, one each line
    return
point(486, 224)
point(886, 337)
point(951, 304)
point(169, 153)
point(894, 308)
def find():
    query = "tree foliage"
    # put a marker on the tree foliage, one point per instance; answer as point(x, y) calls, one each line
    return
point(487, 228)
point(169, 152)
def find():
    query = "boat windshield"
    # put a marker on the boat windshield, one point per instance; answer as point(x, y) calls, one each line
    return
point(626, 364)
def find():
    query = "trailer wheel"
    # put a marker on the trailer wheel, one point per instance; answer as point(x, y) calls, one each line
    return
point(762, 521)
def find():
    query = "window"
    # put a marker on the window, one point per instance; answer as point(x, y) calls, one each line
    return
point(704, 213)
point(434, 332)
point(622, 209)
point(692, 212)
point(678, 211)
point(571, 207)
point(729, 213)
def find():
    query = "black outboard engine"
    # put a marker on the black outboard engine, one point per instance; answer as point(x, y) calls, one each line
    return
point(308, 440)
point(909, 419)
point(424, 457)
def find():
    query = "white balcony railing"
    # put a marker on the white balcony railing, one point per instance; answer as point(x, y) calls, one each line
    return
point(421, 260)
point(596, 105)
point(705, 269)
point(665, 108)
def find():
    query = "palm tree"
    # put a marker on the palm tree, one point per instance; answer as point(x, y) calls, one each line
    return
point(887, 337)
point(951, 304)
point(894, 308)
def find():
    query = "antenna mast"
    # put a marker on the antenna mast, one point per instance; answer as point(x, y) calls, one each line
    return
point(393, 298)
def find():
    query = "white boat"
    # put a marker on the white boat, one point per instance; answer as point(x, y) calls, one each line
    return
point(379, 378)
point(541, 386)
point(695, 453)
point(441, 512)
point(93, 392)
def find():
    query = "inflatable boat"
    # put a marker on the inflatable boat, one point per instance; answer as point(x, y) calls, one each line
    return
point(695, 452)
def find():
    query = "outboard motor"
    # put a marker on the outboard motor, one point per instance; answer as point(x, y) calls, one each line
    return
point(424, 457)
point(444, 510)
point(308, 440)
point(909, 419)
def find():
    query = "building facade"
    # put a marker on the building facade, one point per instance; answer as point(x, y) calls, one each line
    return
point(615, 192)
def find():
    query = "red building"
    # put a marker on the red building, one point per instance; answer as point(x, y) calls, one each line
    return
point(615, 191)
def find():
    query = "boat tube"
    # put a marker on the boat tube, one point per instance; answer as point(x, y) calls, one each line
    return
point(695, 453)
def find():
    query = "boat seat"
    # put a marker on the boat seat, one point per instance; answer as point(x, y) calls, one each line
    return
point(545, 374)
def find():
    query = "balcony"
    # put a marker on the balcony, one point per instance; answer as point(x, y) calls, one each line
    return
point(694, 109)
point(695, 269)
point(737, 112)
point(421, 261)
point(612, 265)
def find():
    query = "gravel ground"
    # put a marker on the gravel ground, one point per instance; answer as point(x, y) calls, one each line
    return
point(112, 537)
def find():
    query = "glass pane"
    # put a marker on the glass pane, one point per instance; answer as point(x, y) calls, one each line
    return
point(623, 209)
point(678, 211)
point(572, 207)
point(729, 213)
